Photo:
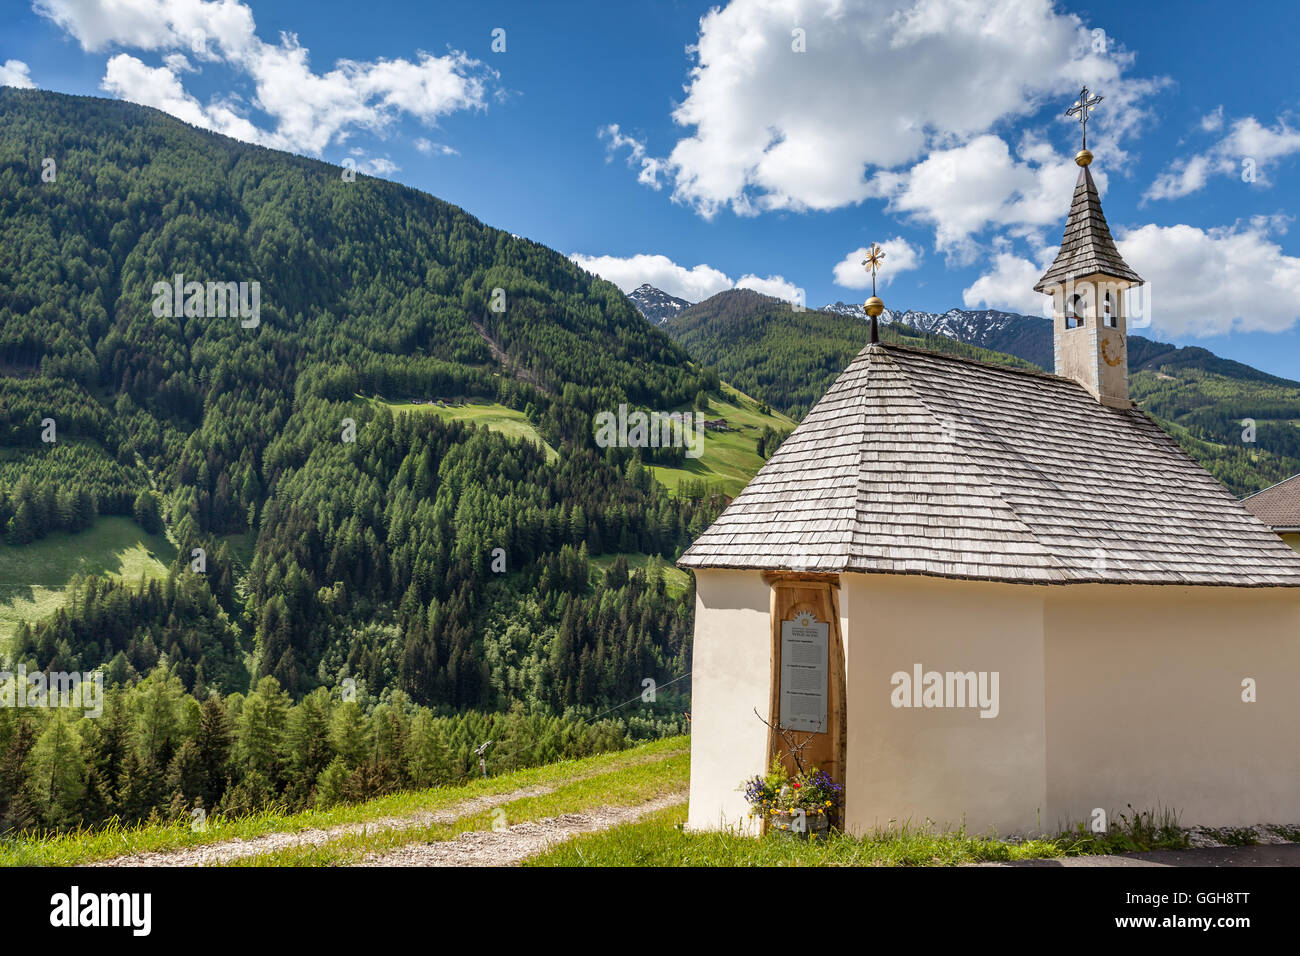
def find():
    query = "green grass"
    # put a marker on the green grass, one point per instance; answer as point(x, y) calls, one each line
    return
point(676, 581)
point(729, 461)
point(34, 577)
point(622, 786)
point(70, 849)
point(730, 458)
point(660, 840)
point(498, 418)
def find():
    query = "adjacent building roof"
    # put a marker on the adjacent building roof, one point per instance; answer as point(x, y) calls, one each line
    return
point(1087, 247)
point(1278, 506)
point(920, 463)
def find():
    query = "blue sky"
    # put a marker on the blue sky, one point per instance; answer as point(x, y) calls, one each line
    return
point(764, 142)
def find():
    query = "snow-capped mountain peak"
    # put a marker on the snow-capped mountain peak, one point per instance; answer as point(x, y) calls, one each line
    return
point(655, 304)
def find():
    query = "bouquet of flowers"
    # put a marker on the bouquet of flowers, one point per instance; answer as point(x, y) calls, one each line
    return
point(810, 796)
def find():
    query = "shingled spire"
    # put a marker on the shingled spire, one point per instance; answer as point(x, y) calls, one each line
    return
point(1087, 247)
point(1087, 283)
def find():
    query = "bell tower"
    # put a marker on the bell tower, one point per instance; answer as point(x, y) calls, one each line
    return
point(1087, 283)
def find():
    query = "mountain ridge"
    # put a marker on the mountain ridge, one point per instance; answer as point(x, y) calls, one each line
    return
point(1204, 401)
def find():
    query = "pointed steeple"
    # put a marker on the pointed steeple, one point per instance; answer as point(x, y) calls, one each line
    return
point(1087, 283)
point(1087, 248)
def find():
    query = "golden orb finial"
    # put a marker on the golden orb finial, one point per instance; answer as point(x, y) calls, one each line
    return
point(874, 306)
point(1083, 157)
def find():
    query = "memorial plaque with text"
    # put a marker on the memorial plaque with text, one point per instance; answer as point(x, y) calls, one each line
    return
point(805, 647)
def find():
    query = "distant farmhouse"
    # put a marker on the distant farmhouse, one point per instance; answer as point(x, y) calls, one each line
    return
point(1279, 508)
point(1000, 598)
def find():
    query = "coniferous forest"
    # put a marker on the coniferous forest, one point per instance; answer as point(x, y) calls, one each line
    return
point(440, 568)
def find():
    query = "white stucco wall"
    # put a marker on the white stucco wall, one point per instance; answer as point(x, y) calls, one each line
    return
point(1107, 696)
point(946, 764)
point(1144, 703)
point(731, 675)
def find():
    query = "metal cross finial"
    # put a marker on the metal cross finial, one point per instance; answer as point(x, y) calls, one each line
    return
point(875, 256)
point(1081, 109)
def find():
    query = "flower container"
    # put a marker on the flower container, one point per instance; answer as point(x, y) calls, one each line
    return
point(814, 826)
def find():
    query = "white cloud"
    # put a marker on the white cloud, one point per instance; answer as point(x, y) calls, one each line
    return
point(195, 25)
point(694, 285)
point(1248, 144)
point(1199, 282)
point(1207, 282)
point(965, 189)
point(129, 79)
point(429, 147)
point(650, 167)
point(1212, 122)
point(777, 286)
point(310, 111)
point(377, 166)
point(900, 256)
point(1010, 286)
point(16, 73)
point(879, 87)
point(1180, 178)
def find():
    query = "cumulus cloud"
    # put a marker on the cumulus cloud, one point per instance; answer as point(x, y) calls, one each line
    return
point(1248, 146)
point(966, 189)
point(129, 79)
point(1199, 282)
point(900, 256)
point(694, 284)
point(1207, 282)
point(881, 85)
point(16, 73)
point(309, 110)
point(777, 286)
point(1009, 285)
point(1212, 121)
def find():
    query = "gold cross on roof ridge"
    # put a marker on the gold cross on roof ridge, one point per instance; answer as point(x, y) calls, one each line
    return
point(1081, 109)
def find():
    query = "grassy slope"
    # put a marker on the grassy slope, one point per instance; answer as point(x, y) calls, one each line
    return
point(34, 577)
point(729, 458)
point(626, 778)
point(654, 768)
point(498, 418)
point(675, 580)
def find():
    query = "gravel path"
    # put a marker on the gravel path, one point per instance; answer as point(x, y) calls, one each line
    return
point(511, 846)
point(215, 853)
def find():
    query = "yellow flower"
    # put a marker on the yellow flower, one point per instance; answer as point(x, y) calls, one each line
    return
point(828, 803)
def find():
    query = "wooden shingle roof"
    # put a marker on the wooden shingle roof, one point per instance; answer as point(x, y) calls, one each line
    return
point(1087, 247)
point(919, 463)
point(1278, 506)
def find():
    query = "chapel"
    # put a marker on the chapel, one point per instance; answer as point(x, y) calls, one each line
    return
point(998, 597)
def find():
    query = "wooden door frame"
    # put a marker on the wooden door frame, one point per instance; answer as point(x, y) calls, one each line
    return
point(827, 608)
